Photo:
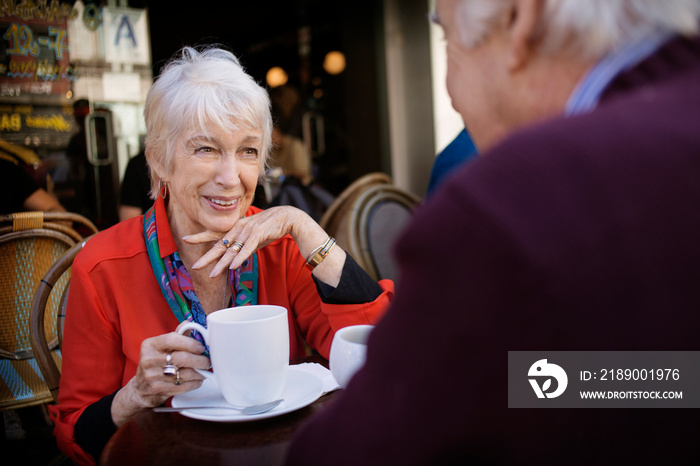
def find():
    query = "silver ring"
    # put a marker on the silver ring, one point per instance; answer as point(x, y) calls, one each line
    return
point(237, 246)
point(178, 380)
point(169, 369)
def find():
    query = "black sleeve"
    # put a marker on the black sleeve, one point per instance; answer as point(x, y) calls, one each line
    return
point(95, 427)
point(355, 286)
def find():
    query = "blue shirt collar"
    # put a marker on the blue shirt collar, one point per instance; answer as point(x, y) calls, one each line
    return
point(587, 93)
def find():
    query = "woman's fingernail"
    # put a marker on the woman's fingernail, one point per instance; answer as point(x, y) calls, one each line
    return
point(196, 265)
point(186, 237)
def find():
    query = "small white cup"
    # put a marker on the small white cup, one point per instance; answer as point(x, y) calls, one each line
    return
point(249, 350)
point(348, 352)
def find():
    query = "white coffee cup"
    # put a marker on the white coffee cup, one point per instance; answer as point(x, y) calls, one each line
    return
point(249, 350)
point(348, 352)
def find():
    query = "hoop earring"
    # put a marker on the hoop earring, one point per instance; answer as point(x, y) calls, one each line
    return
point(162, 189)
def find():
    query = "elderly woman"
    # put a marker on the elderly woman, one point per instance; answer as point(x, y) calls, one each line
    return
point(208, 134)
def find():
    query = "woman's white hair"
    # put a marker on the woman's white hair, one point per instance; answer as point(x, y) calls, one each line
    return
point(590, 28)
point(198, 89)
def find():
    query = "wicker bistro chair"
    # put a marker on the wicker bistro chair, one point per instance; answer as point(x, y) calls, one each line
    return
point(29, 247)
point(338, 209)
point(50, 298)
point(378, 216)
point(336, 218)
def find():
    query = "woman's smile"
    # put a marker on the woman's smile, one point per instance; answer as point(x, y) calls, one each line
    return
point(222, 202)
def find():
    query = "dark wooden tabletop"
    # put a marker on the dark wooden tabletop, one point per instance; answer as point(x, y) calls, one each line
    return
point(171, 438)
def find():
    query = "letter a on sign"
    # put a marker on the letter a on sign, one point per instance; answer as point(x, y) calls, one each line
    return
point(126, 36)
point(124, 29)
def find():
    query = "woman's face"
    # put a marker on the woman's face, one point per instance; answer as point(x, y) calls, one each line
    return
point(213, 179)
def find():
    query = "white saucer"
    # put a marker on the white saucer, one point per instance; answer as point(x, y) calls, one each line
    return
point(301, 389)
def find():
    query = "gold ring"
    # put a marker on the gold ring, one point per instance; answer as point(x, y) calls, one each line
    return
point(237, 246)
point(178, 380)
point(226, 242)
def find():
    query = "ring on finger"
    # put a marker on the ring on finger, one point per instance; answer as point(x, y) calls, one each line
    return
point(169, 369)
point(178, 380)
point(226, 243)
point(237, 246)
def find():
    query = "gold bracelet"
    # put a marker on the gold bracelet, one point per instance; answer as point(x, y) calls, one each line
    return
point(314, 252)
point(320, 253)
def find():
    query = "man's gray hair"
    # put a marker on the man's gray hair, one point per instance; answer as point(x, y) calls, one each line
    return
point(589, 28)
point(198, 89)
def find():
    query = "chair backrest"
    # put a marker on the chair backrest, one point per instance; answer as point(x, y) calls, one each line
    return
point(53, 288)
point(378, 216)
point(338, 209)
point(30, 244)
point(25, 256)
point(336, 219)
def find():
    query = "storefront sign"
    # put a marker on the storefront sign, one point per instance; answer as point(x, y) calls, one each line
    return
point(34, 58)
point(45, 125)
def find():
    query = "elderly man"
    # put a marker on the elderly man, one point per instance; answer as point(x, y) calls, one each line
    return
point(576, 230)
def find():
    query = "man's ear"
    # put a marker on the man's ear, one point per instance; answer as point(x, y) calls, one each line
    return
point(524, 18)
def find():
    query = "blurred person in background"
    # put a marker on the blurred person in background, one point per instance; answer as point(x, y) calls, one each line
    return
point(80, 177)
point(287, 109)
point(288, 151)
point(291, 155)
point(134, 195)
point(461, 149)
point(575, 230)
point(291, 179)
point(18, 190)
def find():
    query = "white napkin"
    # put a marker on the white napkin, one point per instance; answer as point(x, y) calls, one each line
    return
point(329, 382)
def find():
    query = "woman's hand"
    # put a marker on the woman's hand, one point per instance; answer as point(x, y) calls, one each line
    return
point(255, 232)
point(261, 229)
point(150, 387)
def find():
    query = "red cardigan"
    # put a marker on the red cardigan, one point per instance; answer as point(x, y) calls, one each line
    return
point(115, 303)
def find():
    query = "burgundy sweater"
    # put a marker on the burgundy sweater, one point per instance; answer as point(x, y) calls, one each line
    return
point(576, 234)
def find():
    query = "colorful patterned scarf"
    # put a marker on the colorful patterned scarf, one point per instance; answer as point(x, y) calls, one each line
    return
point(176, 284)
